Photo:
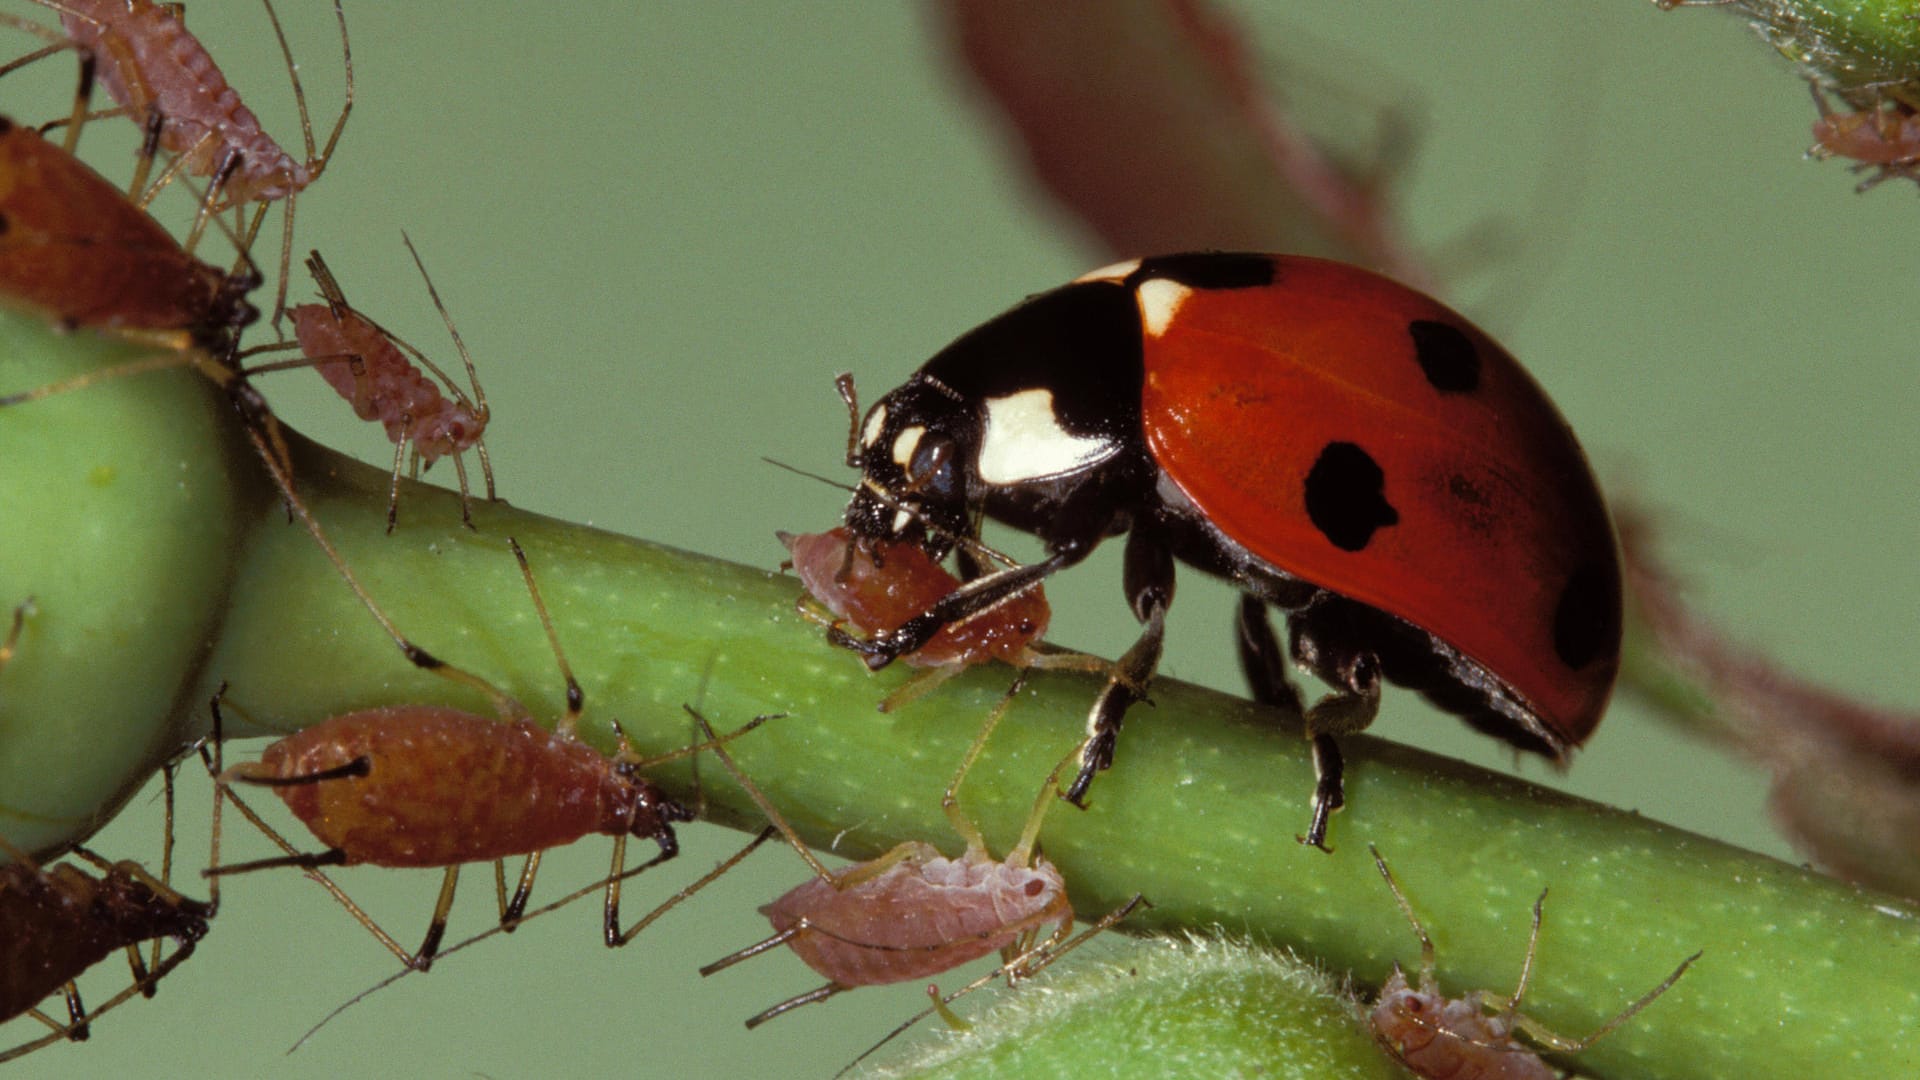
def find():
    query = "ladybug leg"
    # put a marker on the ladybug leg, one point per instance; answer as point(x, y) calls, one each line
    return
point(1148, 577)
point(966, 601)
point(1262, 661)
point(1354, 673)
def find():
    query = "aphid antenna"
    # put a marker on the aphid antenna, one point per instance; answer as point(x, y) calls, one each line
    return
point(582, 892)
point(1026, 964)
point(316, 164)
point(1510, 1010)
point(57, 43)
point(774, 816)
point(1419, 931)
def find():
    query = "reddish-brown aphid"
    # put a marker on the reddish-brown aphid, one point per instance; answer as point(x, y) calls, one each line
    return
point(913, 913)
point(57, 922)
point(1459, 1038)
point(1885, 137)
point(153, 66)
point(74, 248)
point(876, 587)
point(364, 362)
point(418, 786)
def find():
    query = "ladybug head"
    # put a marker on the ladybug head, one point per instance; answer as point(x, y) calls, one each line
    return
point(913, 451)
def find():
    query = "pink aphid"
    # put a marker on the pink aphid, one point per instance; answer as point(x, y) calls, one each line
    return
point(1475, 1036)
point(382, 377)
point(154, 67)
point(1885, 137)
point(913, 913)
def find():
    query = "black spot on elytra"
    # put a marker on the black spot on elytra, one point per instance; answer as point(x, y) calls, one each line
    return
point(1207, 270)
point(1586, 621)
point(4, 224)
point(6, 125)
point(1447, 356)
point(1344, 499)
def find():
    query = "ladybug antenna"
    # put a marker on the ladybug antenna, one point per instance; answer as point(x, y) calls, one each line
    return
point(887, 499)
point(843, 383)
point(797, 471)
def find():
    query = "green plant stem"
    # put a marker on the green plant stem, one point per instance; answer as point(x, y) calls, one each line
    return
point(1801, 976)
point(1852, 44)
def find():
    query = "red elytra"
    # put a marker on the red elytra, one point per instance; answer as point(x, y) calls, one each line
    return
point(1256, 385)
point(1336, 445)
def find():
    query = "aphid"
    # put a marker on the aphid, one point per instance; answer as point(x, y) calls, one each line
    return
point(432, 786)
point(153, 66)
point(876, 587)
point(1478, 1034)
point(57, 922)
point(75, 249)
point(365, 363)
point(1336, 445)
point(913, 913)
point(1885, 137)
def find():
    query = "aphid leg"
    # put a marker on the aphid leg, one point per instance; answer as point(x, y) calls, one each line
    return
point(1573, 1046)
point(953, 1020)
point(963, 825)
point(1027, 963)
point(223, 793)
point(400, 446)
point(503, 703)
point(477, 403)
point(315, 163)
point(774, 818)
point(83, 93)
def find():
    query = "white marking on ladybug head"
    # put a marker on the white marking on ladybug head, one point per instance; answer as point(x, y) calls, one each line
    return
point(901, 519)
point(1160, 301)
point(1024, 441)
point(906, 443)
point(1117, 272)
point(876, 423)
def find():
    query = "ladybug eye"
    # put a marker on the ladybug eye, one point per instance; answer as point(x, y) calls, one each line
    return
point(929, 463)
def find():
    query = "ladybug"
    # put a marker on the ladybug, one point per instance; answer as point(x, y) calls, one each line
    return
point(1338, 446)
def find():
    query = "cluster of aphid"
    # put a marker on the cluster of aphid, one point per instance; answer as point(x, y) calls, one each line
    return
point(1879, 131)
point(1479, 571)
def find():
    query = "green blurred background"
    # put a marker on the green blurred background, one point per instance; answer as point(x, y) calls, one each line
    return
point(662, 228)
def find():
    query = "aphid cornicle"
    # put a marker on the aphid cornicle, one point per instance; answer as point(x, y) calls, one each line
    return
point(1336, 445)
point(431, 786)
